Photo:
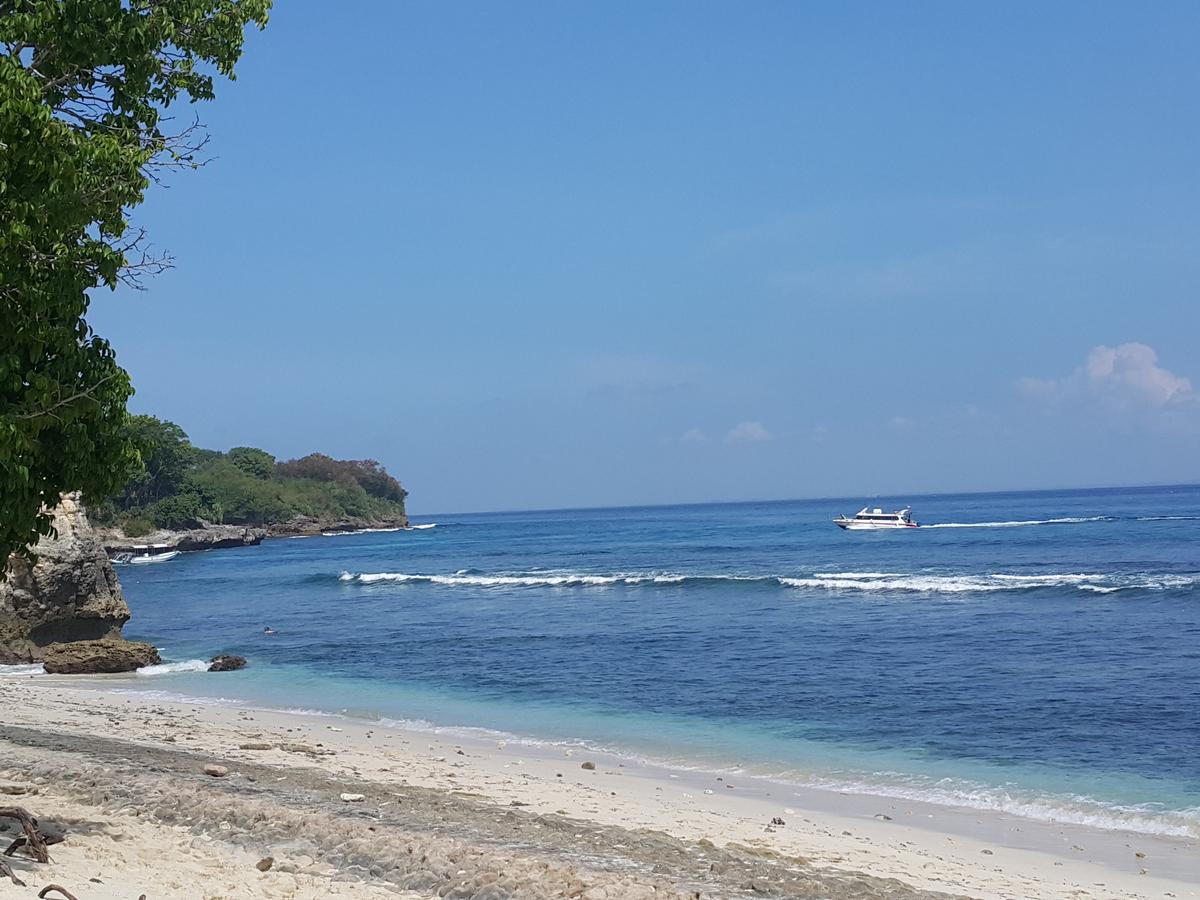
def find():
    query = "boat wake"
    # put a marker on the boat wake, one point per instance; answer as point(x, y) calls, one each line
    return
point(1065, 520)
point(874, 582)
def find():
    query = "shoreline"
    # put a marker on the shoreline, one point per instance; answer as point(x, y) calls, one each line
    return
point(232, 537)
point(928, 847)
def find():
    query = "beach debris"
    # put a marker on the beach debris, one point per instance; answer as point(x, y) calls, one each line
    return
point(224, 662)
point(256, 745)
point(353, 798)
point(34, 841)
point(778, 821)
point(264, 864)
point(7, 872)
point(50, 837)
point(305, 748)
point(215, 771)
point(883, 817)
point(45, 892)
point(986, 852)
point(1140, 855)
point(589, 765)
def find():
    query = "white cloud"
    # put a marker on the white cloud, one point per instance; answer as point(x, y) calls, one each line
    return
point(1127, 376)
point(748, 432)
point(694, 436)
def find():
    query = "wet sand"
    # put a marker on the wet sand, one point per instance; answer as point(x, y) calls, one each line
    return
point(445, 815)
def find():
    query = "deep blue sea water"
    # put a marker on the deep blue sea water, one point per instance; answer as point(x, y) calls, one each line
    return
point(1034, 652)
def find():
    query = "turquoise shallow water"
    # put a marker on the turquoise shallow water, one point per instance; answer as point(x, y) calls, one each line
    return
point(1037, 652)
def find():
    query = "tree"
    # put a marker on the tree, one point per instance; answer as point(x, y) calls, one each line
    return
point(252, 461)
point(166, 455)
point(84, 88)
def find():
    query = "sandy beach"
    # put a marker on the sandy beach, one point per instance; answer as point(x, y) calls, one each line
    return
point(447, 815)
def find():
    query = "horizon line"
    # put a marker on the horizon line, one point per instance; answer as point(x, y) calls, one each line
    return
point(924, 494)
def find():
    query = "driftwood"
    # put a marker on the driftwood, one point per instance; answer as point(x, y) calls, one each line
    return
point(7, 872)
point(55, 887)
point(35, 844)
point(50, 837)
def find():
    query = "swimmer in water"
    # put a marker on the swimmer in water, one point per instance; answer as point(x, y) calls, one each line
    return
point(268, 630)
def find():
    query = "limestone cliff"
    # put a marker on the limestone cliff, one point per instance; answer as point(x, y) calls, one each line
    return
point(71, 594)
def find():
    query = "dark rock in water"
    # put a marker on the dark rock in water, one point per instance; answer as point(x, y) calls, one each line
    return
point(70, 594)
point(226, 663)
point(94, 657)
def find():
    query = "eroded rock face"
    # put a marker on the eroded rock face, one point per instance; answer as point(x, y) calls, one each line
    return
point(71, 594)
point(95, 657)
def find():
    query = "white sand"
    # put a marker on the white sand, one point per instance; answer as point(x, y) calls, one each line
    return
point(935, 848)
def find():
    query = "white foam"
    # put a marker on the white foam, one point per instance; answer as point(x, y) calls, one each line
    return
point(925, 582)
point(1065, 809)
point(959, 584)
point(464, 577)
point(190, 665)
point(376, 530)
point(1065, 520)
point(22, 671)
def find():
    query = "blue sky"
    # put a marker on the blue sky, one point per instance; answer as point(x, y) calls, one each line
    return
point(564, 254)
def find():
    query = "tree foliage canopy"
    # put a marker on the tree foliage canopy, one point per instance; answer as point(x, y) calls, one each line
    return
point(85, 86)
point(183, 486)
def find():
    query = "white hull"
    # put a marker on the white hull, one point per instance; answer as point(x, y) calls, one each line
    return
point(851, 525)
point(153, 558)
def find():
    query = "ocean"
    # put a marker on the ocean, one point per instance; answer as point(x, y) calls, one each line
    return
point(1037, 653)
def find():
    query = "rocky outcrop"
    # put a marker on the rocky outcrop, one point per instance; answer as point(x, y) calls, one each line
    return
point(309, 525)
point(212, 537)
point(226, 663)
point(70, 594)
point(94, 657)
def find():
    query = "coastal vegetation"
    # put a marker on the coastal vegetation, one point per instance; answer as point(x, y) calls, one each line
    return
point(182, 486)
point(85, 88)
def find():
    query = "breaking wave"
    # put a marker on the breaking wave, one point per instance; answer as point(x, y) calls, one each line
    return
point(899, 582)
point(22, 670)
point(190, 665)
point(1070, 809)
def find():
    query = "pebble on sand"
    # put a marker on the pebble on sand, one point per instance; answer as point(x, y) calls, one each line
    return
point(215, 771)
point(589, 765)
point(353, 798)
point(265, 863)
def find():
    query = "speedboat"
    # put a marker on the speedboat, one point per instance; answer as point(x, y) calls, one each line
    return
point(141, 559)
point(152, 558)
point(870, 519)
